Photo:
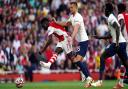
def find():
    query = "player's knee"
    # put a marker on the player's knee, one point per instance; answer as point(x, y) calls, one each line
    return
point(59, 50)
point(77, 58)
point(71, 55)
point(102, 58)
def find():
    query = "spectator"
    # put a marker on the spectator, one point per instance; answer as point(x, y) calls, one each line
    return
point(3, 58)
point(16, 43)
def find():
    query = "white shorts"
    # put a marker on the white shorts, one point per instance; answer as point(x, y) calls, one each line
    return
point(66, 45)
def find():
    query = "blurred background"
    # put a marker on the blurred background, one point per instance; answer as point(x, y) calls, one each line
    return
point(22, 36)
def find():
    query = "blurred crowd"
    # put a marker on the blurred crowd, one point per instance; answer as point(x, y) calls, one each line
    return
point(22, 35)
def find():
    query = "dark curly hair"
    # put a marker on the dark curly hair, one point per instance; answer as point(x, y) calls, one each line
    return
point(45, 23)
point(121, 7)
point(109, 7)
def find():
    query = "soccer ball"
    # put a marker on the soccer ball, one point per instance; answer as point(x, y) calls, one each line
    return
point(19, 82)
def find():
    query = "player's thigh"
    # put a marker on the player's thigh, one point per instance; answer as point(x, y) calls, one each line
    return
point(67, 46)
point(82, 48)
point(78, 58)
point(109, 51)
point(122, 52)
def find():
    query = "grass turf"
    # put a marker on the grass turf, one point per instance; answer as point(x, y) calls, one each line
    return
point(59, 85)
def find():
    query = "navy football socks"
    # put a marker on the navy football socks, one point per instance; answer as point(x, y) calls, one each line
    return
point(83, 68)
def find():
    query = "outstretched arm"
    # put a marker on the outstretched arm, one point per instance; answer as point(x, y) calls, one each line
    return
point(108, 36)
point(63, 23)
point(66, 23)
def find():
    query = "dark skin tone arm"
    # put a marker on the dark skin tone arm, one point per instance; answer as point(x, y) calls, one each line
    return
point(117, 28)
point(47, 43)
point(108, 36)
point(122, 25)
point(62, 23)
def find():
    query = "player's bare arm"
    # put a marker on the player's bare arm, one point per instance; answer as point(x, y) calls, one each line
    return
point(122, 24)
point(47, 43)
point(63, 23)
point(59, 22)
point(108, 36)
point(117, 28)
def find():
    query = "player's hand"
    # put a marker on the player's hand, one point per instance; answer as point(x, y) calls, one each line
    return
point(117, 44)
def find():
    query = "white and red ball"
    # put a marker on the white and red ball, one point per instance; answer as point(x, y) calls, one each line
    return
point(19, 82)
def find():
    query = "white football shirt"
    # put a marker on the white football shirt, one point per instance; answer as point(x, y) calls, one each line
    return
point(78, 19)
point(111, 20)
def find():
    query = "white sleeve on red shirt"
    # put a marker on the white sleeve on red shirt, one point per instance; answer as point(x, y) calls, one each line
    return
point(50, 30)
point(120, 16)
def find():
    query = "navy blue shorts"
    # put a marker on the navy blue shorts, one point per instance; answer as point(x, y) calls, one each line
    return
point(82, 48)
point(121, 51)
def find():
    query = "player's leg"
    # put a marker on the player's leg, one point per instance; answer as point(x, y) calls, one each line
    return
point(82, 49)
point(81, 52)
point(53, 58)
point(123, 56)
point(65, 45)
point(126, 74)
point(78, 61)
point(78, 57)
point(109, 52)
point(122, 53)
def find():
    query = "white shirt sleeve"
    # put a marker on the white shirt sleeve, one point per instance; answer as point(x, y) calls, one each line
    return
point(120, 16)
point(50, 30)
point(112, 19)
point(69, 19)
point(77, 20)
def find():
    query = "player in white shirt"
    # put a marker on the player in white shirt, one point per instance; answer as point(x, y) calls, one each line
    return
point(118, 45)
point(79, 34)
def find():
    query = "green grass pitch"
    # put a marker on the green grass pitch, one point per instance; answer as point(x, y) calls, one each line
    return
point(59, 85)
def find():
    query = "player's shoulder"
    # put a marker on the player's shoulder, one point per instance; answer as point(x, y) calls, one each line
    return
point(111, 17)
point(51, 23)
point(120, 16)
point(54, 24)
point(51, 26)
point(78, 16)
